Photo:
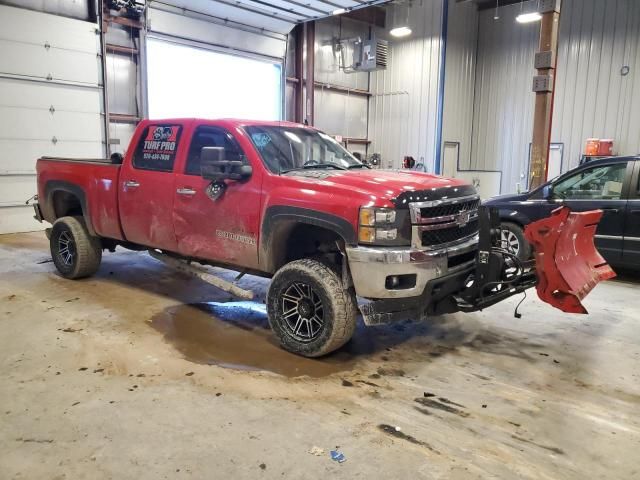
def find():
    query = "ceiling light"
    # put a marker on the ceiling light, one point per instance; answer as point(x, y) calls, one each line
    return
point(339, 11)
point(528, 17)
point(400, 31)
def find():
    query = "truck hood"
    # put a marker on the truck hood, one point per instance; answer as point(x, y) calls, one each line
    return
point(384, 185)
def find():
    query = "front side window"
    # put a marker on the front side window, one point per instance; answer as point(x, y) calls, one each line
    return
point(157, 147)
point(205, 136)
point(598, 183)
point(291, 148)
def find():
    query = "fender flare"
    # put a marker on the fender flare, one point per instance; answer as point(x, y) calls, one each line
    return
point(279, 220)
point(53, 186)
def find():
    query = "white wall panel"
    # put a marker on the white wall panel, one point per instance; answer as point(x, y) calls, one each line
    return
point(122, 83)
point(68, 8)
point(225, 11)
point(403, 113)
point(503, 104)
point(35, 28)
point(201, 30)
point(121, 133)
point(339, 113)
point(593, 99)
point(460, 72)
point(18, 219)
point(328, 61)
point(39, 116)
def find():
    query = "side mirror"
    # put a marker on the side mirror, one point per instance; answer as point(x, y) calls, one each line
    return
point(547, 192)
point(214, 167)
point(116, 158)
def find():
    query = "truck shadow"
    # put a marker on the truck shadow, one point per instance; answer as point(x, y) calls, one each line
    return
point(209, 327)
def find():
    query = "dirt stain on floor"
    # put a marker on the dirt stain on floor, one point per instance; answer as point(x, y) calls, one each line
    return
point(237, 335)
point(29, 241)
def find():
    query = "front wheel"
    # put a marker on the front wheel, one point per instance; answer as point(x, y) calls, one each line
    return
point(513, 241)
point(309, 309)
point(75, 253)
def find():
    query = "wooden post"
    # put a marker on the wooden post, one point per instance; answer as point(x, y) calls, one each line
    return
point(544, 86)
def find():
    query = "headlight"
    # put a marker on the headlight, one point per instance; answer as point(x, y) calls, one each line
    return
point(376, 216)
point(381, 226)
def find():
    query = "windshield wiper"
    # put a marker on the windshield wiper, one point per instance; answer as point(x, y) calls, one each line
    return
point(324, 165)
point(358, 165)
point(314, 165)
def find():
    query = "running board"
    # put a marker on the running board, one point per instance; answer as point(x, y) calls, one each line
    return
point(202, 273)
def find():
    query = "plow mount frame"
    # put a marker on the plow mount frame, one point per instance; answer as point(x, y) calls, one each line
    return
point(565, 269)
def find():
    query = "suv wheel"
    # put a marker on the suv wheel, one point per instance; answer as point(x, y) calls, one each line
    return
point(75, 253)
point(513, 241)
point(309, 309)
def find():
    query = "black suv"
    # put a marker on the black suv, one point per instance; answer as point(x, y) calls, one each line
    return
point(611, 185)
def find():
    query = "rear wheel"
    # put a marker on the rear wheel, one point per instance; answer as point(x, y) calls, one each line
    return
point(75, 253)
point(513, 241)
point(309, 309)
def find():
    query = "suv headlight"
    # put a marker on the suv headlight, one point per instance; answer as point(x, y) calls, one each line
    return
point(383, 226)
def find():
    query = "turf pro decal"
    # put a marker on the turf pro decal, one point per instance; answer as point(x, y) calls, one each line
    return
point(236, 237)
point(161, 143)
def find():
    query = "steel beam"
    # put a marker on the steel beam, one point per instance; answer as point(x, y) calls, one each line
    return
point(310, 29)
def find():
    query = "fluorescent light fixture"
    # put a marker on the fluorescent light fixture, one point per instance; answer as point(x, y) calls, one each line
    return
point(400, 31)
point(528, 17)
point(339, 11)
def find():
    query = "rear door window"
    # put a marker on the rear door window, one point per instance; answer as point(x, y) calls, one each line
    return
point(157, 147)
point(206, 136)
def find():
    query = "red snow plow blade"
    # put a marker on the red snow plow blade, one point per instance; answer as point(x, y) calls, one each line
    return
point(568, 265)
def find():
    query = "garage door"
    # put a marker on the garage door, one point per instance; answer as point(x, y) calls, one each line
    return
point(210, 84)
point(50, 102)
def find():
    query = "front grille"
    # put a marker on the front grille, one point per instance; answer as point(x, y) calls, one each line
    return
point(449, 235)
point(449, 209)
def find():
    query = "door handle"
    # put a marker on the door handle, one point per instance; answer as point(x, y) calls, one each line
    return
point(185, 191)
point(131, 184)
point(610, 210)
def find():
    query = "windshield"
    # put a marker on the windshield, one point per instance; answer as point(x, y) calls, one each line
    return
point(291, 148)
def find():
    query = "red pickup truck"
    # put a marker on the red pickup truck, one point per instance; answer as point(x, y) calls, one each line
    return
point(285, 201)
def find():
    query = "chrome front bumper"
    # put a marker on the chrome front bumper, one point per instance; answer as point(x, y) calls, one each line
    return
point(370, 267)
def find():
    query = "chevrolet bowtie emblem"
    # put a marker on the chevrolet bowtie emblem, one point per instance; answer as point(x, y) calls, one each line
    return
point(463, 218)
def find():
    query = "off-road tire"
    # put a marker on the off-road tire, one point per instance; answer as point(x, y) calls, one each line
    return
point(515, 231)
point(339, 307)
point(86, 250)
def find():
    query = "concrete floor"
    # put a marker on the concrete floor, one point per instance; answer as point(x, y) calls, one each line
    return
point(132, 374)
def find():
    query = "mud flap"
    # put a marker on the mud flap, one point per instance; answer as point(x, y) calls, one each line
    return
point(568, 265)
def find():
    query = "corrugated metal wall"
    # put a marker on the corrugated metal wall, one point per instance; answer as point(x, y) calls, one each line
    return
point(503, 104)
point(593, 99)
point(460, 75)
point(339, 113)
point(403, 111)
point(597, 38)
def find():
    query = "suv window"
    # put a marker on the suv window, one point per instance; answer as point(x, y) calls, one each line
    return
point(157, 147)
point(603, 182)
point(205, 136)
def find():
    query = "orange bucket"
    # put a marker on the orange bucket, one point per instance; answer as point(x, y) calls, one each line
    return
point(605, 147)
point(593, 146)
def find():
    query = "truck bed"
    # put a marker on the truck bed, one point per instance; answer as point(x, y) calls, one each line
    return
point(107, 161)
point(94, 182)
